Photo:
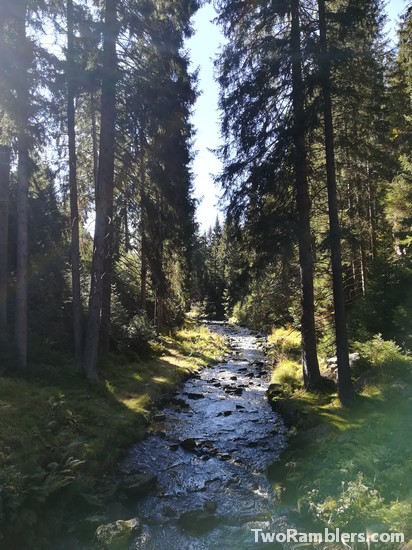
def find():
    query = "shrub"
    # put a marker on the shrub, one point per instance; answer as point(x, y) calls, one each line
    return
point(356, 507)
point(385, 355)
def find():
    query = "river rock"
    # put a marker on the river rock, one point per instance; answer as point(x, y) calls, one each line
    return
point(210, 506)
point(199, 520)
point(188, 444)
point(138, 484)
point(159, 417)
point(117, 535)
point(195, 395)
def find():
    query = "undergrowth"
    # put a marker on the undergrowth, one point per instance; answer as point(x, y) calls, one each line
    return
point(350, 468)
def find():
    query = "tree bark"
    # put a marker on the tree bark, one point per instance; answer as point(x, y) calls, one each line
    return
point(104, 338)
point(74, 209)
point(311, 374)
point(22, 192)
point(4, 226)
point(104, 194)
point(346, 391)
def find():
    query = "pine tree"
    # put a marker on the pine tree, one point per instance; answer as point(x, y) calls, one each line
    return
point(105, 186)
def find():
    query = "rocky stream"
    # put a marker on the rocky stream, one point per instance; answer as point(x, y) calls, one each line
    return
point(207, 455)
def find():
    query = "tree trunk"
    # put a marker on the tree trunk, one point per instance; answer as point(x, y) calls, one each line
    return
point(94, 141)
point(22, 192)
point(311, 373)
point(104, 194)
point(104, 338)
point(143, 209)
point(74, 210)
point(4, 226)
point(346, 392)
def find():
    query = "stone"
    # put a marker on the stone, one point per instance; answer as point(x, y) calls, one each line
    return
point(117, 535)
point(169, 512)
point(198, 520)
point(210, 506)
point(138, 484)
point(159, 417)
point(195, 395)
point(188, 444)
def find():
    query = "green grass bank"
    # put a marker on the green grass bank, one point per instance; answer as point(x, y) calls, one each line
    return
point(346, 468)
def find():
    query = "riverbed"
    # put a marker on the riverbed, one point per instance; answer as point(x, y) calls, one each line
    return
point(210, 449)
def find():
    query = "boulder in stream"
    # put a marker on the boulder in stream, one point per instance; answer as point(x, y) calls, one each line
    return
point(117, 535)
point(198, 520)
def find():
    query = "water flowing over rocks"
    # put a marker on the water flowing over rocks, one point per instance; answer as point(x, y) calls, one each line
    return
point(205, 463)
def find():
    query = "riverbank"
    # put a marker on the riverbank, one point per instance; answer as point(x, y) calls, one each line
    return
point(59, 433)
point(348, 468)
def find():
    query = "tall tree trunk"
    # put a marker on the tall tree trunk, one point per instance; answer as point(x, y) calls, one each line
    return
point(104, 338)
point(311, 373)
point(4, 226)
point(104, 194)
point(94, 141)
point(23, 173)
point(346, 392)
point(143, 210)
point(74, 210)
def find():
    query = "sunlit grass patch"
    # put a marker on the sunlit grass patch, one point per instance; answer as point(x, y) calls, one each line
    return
point(348, 468)
point(284, 341)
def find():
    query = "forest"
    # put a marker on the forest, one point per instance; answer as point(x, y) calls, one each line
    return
point(106, 278)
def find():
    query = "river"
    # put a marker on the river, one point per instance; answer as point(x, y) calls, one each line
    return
point(210, 449)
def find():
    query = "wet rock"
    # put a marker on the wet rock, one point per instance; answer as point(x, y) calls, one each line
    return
point(233, 377)
point(174, 446)
point(138, 485)
point(240, 407)
point(169, 512)
point(227, 413)
point(117, 535)
point(210, 506)
point(195, 395)
point(180, 403)
point(188, 444)
point(225, 456)
point(199, 520)
point(159, 417)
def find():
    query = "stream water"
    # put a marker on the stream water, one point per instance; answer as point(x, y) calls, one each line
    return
point(210, 449)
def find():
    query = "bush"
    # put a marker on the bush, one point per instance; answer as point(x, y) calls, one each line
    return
point(357, 506)
point(134, 334)
point(384, 355)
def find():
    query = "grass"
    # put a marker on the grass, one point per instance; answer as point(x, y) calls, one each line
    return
point(60, 433)
point(350, 468)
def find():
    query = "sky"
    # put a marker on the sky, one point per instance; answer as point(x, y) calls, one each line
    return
point(204, 46)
